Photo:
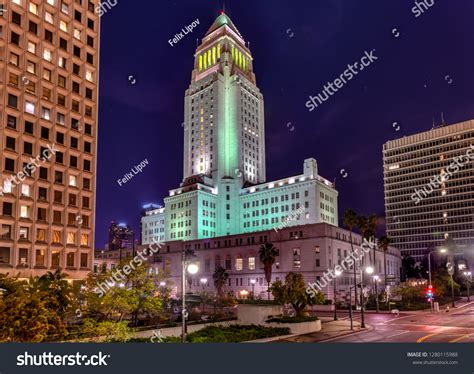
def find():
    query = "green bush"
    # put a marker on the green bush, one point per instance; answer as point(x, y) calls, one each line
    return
point(227, 334)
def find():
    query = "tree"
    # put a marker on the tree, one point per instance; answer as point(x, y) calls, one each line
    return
point(350, 221)
point(220, 277)
point(409, 294)
point(410, 268)
point(29, 313)
point(384, 243)
point(268, 254)
point(134, 294)
point(294, 292)
point(442, 283)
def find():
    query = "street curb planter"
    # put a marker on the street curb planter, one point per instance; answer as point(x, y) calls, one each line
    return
point(298, 328)
point(252, 314)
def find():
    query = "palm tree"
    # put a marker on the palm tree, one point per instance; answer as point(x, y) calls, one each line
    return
point(268, 254)
point(367, 227)
point(220, 277)
point(350, 220)
point(371, 231)
point(384, 242)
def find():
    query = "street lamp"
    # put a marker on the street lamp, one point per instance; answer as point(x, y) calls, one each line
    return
point(376, 281)
point(336, 274)
point(369, 270)
point(162, 283)
point(203, 282)
point(191, 267)
point(443, 251)
point(468, 276)
point(252, 282)
point(244, 294)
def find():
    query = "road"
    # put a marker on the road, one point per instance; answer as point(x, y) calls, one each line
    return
point(454, 326)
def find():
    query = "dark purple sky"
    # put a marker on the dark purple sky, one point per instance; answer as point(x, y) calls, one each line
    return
point(409, 84)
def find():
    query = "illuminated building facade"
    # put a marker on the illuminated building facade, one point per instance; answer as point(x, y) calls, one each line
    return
point(429, 196)
point(49, 74)
point(224, 189)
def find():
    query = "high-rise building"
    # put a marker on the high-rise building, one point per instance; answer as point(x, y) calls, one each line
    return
point(49, 58)
point(224, 189)
point(121, 236)
point(429, 194)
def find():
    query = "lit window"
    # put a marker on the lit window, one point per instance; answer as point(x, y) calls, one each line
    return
point(239, 263)
point(29, 107)
point(56, 236)
point(48, 54)
point(64, 7)
point(31, 47)
point(89, 76)
point(73, 180)
point(33, 8)
point(7, 186)
point(24, 211)
point(25, 190)
point(71, 238)
point(251, 263)
point(51, 2)
point(63, 25)
point(62, 62)
point(48, 17)
point(77, 33)
point(46, 114)
point(85, 239)
point(296, 258)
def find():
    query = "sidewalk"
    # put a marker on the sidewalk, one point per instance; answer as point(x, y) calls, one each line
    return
point(330, 330)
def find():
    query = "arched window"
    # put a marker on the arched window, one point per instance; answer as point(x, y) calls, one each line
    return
point(209, 59)
point(213, 55)
point(205, 60)
point(200, 62)
point(218, 51)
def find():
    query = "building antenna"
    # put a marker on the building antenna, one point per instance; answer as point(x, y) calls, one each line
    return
point(442, 119)
point(197, 42)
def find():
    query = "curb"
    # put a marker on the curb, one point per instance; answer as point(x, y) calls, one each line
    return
point(367, 329)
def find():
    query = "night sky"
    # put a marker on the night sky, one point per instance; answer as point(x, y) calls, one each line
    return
point(298, 46)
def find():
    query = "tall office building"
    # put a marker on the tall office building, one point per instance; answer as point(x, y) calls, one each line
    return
point(152, 224)
point(121, 236)
point(429, 193)
point(224, 189)
point(49, 58)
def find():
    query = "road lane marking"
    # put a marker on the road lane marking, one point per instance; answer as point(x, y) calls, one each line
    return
point(400, 333)
point(460, 338)
point(423, 338)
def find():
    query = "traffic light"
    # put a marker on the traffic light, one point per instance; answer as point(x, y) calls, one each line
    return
point(430, 293)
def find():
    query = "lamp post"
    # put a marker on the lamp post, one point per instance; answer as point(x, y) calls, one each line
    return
point(369, 270)
point(376, 281)
point(244, 294)
point(203, 282)
point(192, 268)
point(336, 274)
point(468, 276)
point(252, 282)
point(442, 250)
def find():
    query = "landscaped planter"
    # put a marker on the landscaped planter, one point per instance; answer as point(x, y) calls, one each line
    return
point(298, 328)
point(248, 314)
